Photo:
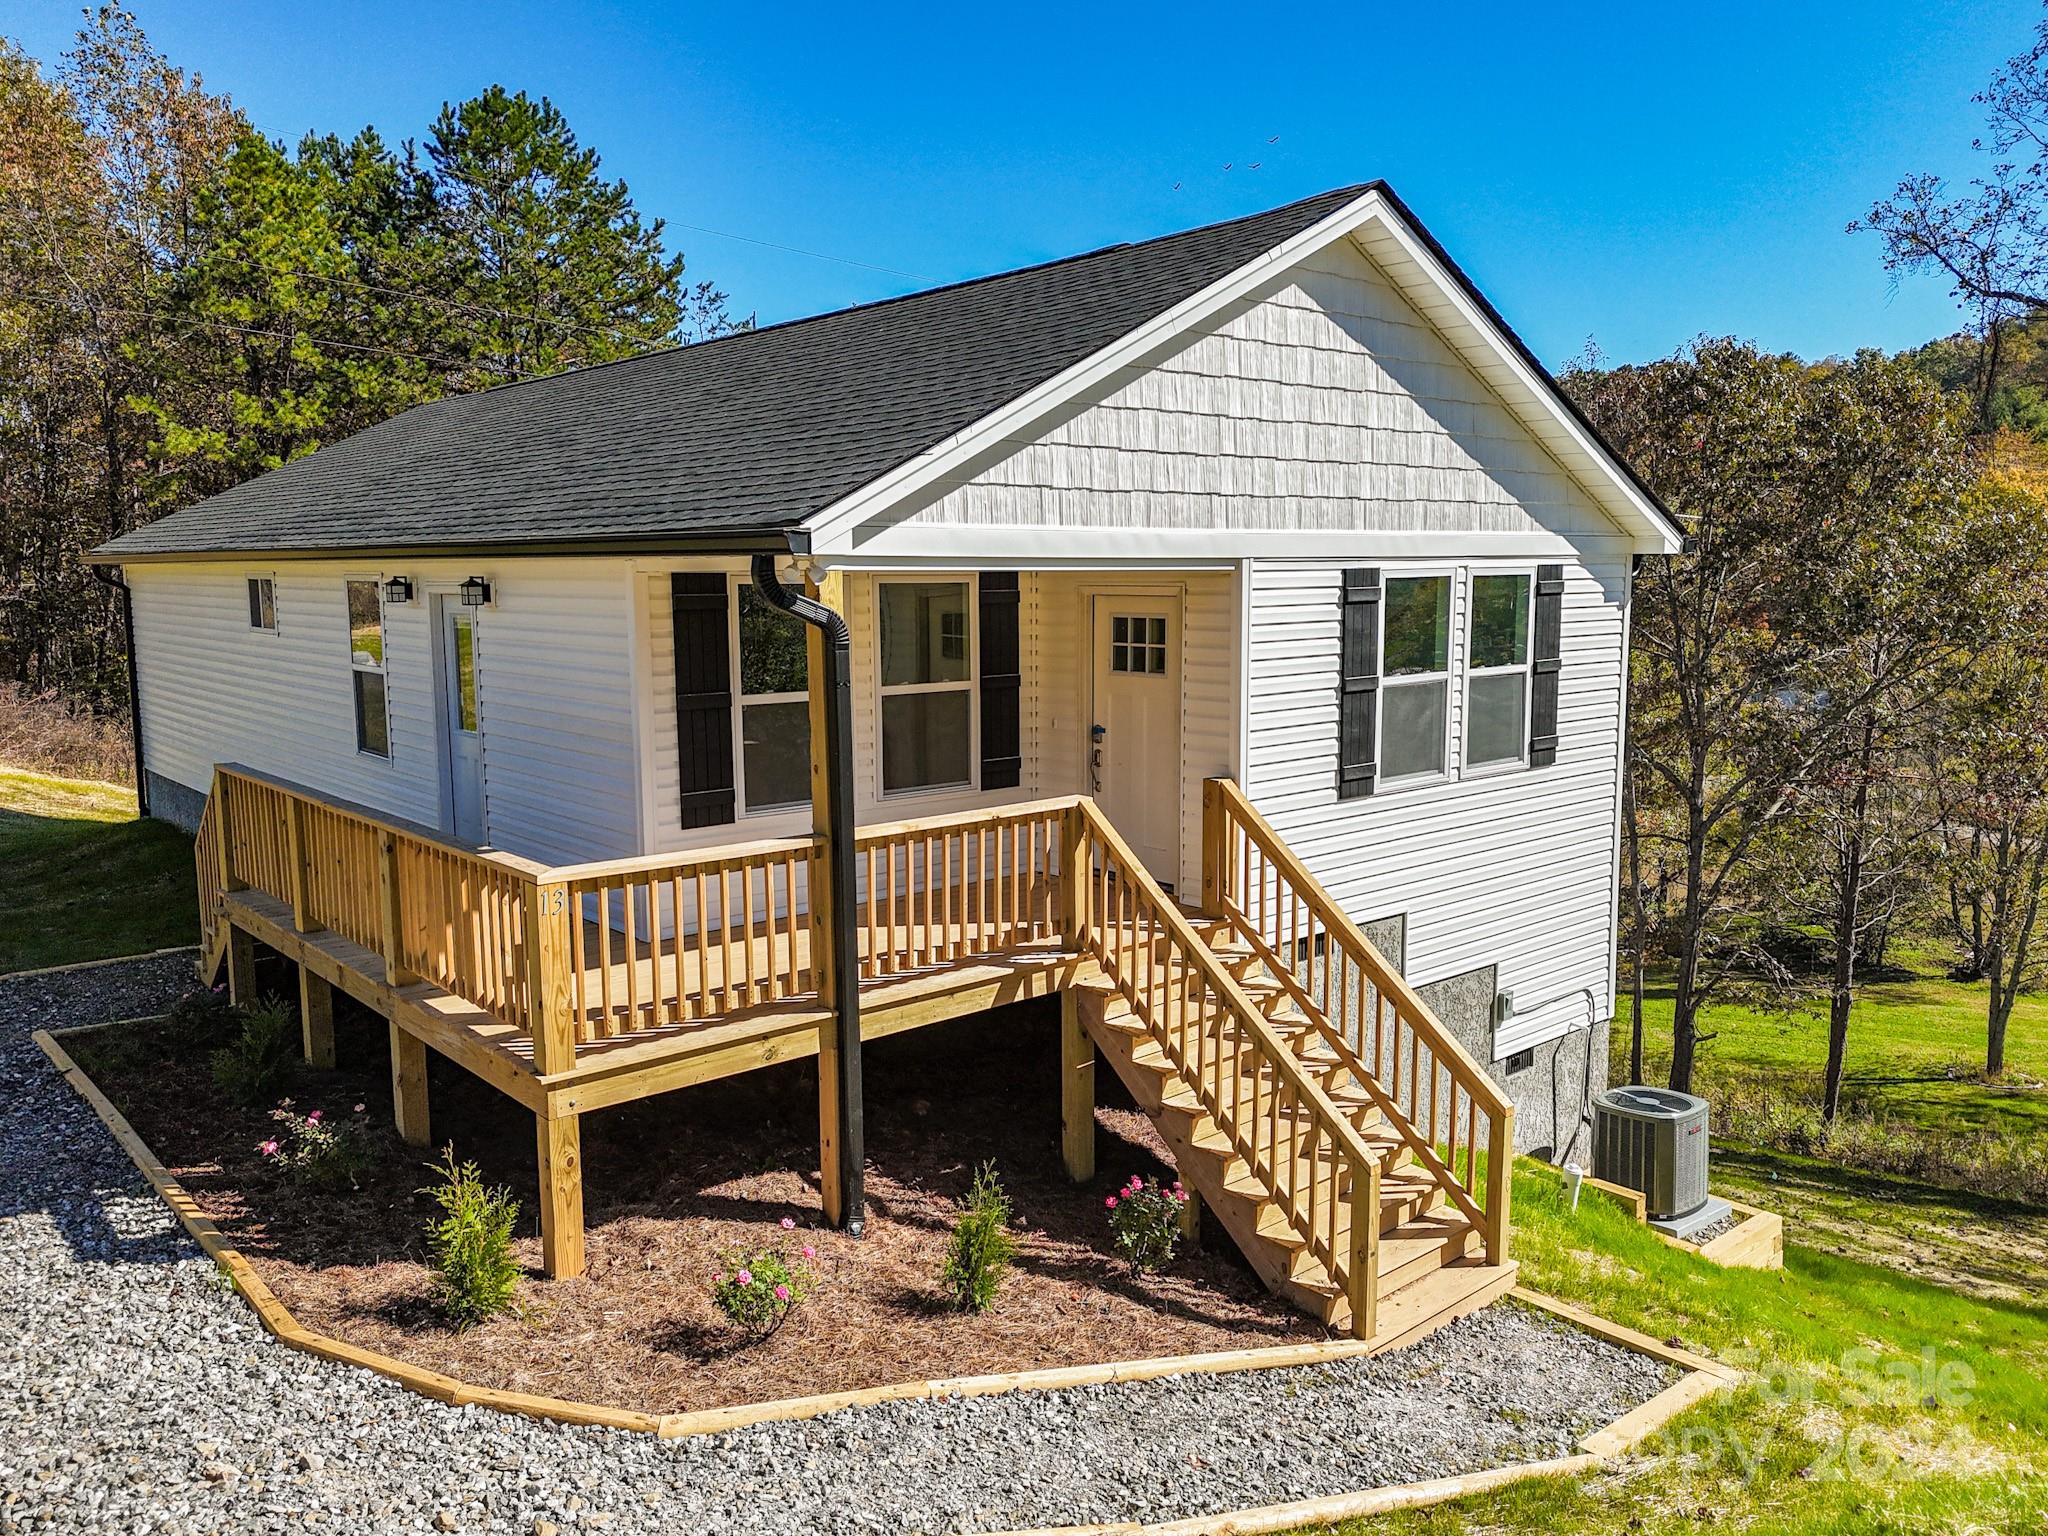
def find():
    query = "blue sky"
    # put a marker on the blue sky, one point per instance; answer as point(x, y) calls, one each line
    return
point(1633, 174)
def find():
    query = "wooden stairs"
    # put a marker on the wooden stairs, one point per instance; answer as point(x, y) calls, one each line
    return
point(1431, 1267)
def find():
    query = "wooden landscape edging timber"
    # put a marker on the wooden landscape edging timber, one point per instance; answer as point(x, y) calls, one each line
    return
point(87, 965)
point(1755, 1242)
point(1703, 1376)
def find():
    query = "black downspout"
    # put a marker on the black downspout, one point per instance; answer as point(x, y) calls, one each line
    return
point(838, 685)
point(107, 578)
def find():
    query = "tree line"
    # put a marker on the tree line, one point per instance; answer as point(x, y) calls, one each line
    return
point(185, 303)
point(1839, 692)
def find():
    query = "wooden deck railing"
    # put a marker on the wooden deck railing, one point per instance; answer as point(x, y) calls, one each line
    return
point(937, 891)
point(1301, 1148)
point(1428, 1085)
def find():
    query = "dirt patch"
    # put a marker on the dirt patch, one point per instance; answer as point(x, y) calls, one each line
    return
point(671, 1183)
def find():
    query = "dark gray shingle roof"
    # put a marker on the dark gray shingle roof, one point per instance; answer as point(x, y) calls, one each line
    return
point(746, 435)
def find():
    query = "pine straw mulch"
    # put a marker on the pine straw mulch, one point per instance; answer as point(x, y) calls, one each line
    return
point(672, 1183)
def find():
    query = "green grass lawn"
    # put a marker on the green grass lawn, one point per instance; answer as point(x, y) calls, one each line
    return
point(88, 880)
point(1876, 1401)
point(1916, 1052)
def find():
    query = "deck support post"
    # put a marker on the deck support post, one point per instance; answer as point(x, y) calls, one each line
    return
point(559, 1139)
point(835, 955)
point(409, 1086)
point(1191, 1218)
point(1077, 1091)
point(241, 966)
point(1500, 1180)
point(316, 1018)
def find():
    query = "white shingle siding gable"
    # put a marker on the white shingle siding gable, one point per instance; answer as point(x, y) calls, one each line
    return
point(1513, 869)
point(1328, 404)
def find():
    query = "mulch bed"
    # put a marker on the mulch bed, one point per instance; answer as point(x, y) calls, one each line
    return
point(672, 1183)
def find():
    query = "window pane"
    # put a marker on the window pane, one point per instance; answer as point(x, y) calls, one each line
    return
point(465, 674)
point(365, 625)
point(775, 754)
point(1412, 723)
point(1495, 732)
point(917, 619)
point(373, 734)
point(262, 603)
point(1418, 624)
point(772, 658)
point(1500, 621)
point(924, 740)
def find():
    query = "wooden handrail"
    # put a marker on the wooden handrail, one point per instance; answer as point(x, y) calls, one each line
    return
point(1229, 815)
point(1356, 1268)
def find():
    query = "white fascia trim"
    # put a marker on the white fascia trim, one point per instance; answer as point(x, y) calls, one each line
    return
point(832, 529)
point(1004, 548)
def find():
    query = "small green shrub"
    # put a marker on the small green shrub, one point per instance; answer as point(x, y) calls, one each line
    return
point(201, 1020)
point(255, 1066)
point(982, 1247)
point(471, 1242)
point(1144, 1222)
point(317, 1152)
point(758, 1290)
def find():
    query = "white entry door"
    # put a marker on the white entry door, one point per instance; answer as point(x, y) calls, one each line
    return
point(1134, 740)
point(461, 741)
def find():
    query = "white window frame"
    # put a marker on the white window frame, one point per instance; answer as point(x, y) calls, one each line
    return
point(249, 579)
point(971, 686)
point(382, 669)
point(1527, 668)
point(1445, 772)
point(736, 584)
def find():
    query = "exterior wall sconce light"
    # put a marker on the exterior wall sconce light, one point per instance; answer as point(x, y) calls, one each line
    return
point(398, 590)
point(476, 592)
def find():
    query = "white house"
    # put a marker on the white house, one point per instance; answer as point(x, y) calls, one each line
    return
point(1281, 500)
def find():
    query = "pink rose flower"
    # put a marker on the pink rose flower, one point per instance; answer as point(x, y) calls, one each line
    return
point(313, 1118)
point(1109, 1201)
point(268, 1149)
point(359, 1109)
point(745, 1277)
point(782, 1293)
point(719, 1278)
point(810, 1252)
point(788, 1224)
point(1136, 1183)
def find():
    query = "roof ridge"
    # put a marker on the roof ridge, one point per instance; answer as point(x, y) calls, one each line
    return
point(1356, 189)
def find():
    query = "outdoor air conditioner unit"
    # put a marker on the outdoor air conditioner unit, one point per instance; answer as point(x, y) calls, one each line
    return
point(1655, 1140)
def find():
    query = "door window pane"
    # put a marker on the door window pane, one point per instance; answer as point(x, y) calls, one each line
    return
point(772, 647)
point(465, 674)
point(373, 733)
point(1495, 733)
point(1418, 625)
point(1412, 723)
point(1500, 621)
point(366, 660)
point(924, 632)
point(1137, 643)
point(775, 754)
point(925, 740)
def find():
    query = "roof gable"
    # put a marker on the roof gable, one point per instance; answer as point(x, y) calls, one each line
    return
point(802, 430)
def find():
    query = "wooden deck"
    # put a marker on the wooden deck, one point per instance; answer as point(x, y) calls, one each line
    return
point(1321, 1110)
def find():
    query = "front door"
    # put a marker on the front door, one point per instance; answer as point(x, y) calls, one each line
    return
point(1134, 741)
point(461, 741)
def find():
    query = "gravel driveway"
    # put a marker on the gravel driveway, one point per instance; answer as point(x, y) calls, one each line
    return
point(137, 1395)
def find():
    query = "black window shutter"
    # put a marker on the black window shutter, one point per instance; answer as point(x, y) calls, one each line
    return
point(1546, 663)
point(703, 652)
point(1002, 739)
point(1358, 683)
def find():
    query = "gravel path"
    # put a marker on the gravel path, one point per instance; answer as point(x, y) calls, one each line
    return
point(136, 1395)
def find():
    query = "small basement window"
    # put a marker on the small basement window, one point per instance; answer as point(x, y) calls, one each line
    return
point(263, 603)
point(366, 667)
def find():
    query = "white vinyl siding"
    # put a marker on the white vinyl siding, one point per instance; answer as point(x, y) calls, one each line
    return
point(554, 693)
point(1512, 868)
